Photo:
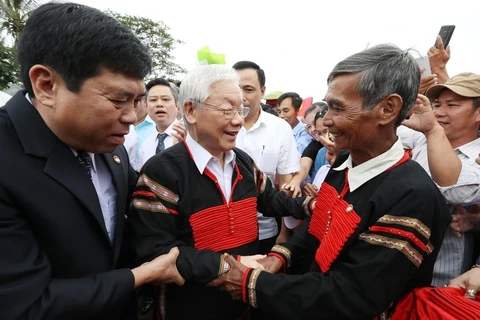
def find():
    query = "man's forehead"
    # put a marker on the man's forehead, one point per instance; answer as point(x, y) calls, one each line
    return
point(248, 76)
point(160, 90)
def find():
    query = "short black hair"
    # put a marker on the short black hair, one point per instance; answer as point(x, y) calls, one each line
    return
point(296, 99)
point(241, 65)
point(77, 41)
point(319, 106)
point(161, 82)
point(319, 115)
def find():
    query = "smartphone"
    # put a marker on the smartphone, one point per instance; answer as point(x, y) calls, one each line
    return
point(446, 34)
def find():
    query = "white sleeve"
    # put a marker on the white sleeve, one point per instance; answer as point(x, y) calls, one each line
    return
point(408, 136)
point(320, 176)
point(467, 189)
point(289, 157)
point(132, 147)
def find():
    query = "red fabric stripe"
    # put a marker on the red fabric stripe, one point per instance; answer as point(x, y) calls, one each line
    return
point(342, 225)
point(212, 177)
point(244, 284)
point(404, 159)
point(401, 233)
point(282, 258)
point(225, 226)
point(172, 211)
point(144, 194)
point(437, 304)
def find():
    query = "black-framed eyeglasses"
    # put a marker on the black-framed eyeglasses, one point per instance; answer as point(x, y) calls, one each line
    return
point(229, 113)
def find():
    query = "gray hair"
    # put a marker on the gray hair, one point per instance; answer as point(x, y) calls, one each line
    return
point(383, 70)
point(197, 84)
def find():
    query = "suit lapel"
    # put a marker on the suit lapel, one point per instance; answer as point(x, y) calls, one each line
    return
point(61, 164)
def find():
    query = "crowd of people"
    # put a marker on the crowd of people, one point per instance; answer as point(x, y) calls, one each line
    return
point(121, 199)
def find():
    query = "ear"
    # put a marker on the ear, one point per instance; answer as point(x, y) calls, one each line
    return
point(476, 114)
point(190, 112)
point(262, 90)
point(390, 108)
point(45, 82)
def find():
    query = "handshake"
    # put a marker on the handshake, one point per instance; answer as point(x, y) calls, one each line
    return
point(231, 281)
point(163, 269)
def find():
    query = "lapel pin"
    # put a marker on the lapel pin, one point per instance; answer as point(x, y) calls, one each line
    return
point(116, 159)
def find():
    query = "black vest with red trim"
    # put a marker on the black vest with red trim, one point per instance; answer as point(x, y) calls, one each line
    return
point(205, 221)
point(352, 213)
point(335, 220)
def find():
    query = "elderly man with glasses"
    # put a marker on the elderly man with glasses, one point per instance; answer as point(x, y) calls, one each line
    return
point(202, 196)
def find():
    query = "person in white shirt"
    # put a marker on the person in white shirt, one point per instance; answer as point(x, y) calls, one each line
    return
point(456, 105)
point(162, 107)
point(267, 139)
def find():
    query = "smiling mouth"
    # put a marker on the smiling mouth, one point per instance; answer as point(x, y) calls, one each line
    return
point(233, 134)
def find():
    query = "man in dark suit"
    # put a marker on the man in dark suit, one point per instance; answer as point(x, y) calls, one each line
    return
point(66, 179)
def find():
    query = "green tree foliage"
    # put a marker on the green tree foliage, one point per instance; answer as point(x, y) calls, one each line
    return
point(156, 37)
point(13, 15)
point(9, 70)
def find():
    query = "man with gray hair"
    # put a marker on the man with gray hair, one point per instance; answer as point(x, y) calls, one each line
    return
point(379, 219)
point(202, 195)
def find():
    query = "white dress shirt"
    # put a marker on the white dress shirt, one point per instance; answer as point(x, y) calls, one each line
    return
point(454, 256)
point(359, 175)
point(204, 160)
point(106, 192)
point(149, 146)
point(467, 189)
point(271, 144)
point(131, 146)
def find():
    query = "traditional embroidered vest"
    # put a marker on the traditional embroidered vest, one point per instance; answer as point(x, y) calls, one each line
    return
point(334, 221)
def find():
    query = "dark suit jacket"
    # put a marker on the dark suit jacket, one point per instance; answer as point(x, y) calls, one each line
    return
point(56, 260)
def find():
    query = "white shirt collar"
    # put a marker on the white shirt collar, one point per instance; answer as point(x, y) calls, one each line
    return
point(201, 156)
point(366, 171)
point(168, 131)
point(470, 149)
point(261, 120)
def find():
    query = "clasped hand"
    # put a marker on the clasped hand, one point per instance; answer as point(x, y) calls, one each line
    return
point(231, 281)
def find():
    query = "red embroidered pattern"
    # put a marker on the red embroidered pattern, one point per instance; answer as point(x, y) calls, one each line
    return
point(332, 225)
point(144, 194)
point(225, 226)
point(401, 233)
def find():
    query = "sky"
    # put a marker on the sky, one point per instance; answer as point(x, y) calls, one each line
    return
point(298, 42)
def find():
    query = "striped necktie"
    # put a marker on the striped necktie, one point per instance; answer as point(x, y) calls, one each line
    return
point(161, 142)
point(86, 161)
